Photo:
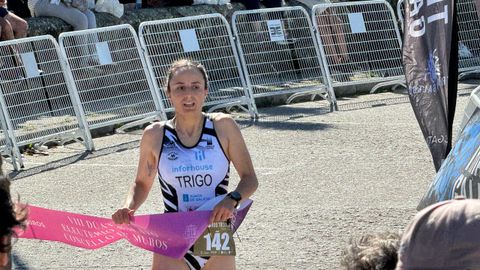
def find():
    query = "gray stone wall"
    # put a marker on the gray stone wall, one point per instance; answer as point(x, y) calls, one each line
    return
point(54, 26)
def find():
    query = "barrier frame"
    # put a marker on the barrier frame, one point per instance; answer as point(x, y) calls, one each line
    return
point(393, 81)
point(247, 99)
point(132, 120)
point(82, 131)
point(463, 71)
point(325, 90)
point(10, 148)
point(472, 105)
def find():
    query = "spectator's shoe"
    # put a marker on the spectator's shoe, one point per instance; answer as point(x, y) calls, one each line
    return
point(211, 2)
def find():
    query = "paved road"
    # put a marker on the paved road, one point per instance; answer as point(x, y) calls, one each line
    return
point(324, 177)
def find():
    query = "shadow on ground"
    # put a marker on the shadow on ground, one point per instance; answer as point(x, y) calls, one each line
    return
point(18, 262)
point(290, 125)
point(73, 159)
point(277, 118)
point(280, 118)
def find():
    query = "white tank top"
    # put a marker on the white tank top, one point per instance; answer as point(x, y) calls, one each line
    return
point(190, 176)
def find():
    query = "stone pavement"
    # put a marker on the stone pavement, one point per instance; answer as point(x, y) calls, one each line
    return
point(324, 177)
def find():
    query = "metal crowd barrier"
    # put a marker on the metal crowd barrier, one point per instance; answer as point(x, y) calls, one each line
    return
point(361, 43)
point(401, 13)
point(7, 146)
point(207, 39)
point(38, 102)
point(468, 35)
point(472, 106)
point(279, 53)
point(110, 75)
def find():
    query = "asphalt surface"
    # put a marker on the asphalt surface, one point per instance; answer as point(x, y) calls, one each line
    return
point(324, 177)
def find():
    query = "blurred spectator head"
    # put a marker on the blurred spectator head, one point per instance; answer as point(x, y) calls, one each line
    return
point(445, 235)
point(9, 218)
point(372, 251)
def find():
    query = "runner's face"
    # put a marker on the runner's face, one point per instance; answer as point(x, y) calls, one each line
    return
point(187, 90)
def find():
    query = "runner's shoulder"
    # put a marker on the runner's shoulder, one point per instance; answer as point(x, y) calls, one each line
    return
point(154, 130)
point(222, 119)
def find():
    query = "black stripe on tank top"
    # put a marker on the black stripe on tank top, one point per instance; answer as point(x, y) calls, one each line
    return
point(210, 131)
point(175, 136)
point(220, 190)
point(173, 199)
point(192, 261)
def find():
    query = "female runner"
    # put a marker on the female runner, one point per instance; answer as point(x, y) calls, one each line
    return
point(192, 154)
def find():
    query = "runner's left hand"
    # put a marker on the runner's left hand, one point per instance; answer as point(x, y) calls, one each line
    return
point(223, 210)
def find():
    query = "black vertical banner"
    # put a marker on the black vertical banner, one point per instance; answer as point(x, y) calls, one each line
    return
point(430, 58)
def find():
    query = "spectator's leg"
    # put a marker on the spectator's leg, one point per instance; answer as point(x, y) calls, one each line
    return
point(6, 258)
point(72, 16)
point(339, 40)
point(19, 25)
point(327, 37)
point(272, 3)
point(7, 32)
point(1, 34)
point(332, 33)
point(13, 59)
point(92, 21)
point(3, 12)
point(177, 3)
point(249, 4)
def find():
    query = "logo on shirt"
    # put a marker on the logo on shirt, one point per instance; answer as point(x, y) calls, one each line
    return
point(197, 180)
point(168, 143)
point(200, 155)
point(192, 168)
point(207, 143)
point(172, 156)
point(185, 197)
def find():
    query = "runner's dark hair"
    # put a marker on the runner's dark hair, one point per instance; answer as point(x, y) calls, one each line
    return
point(10, 217)
point(185, 63)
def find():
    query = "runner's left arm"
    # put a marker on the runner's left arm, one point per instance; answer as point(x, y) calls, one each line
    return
point(237, 152)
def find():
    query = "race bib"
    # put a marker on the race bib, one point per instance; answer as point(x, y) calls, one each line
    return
point(217, 240)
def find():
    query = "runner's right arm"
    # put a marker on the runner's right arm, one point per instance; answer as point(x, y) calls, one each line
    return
point(146, 172)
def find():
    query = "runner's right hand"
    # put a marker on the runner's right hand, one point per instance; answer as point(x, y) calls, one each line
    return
point(123, 216)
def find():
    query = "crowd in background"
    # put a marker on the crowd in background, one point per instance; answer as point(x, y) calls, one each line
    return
point(79, 15)
point(12, 26)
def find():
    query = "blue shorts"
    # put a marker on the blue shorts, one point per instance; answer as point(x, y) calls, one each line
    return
point(3, 12)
